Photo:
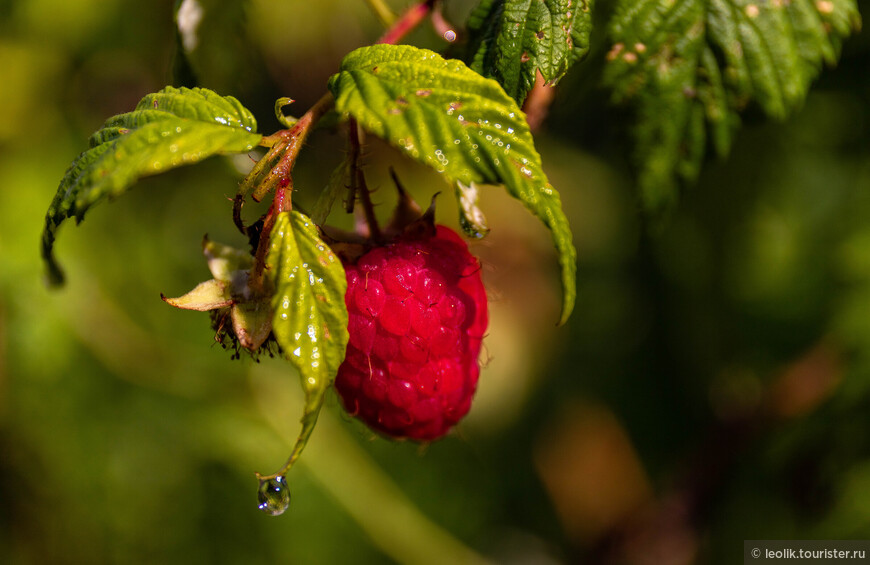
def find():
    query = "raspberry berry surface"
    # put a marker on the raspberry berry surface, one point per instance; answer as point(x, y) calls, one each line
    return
point(417, 315)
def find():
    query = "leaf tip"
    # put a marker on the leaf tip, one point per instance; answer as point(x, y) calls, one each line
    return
point(54, 277)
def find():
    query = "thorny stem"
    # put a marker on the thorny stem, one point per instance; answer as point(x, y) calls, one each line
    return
point(281, 203)
point(368, 208)
point(288, 143)
point(407, 22)
point(358, 187)
point(354, 149)
point(284, 147)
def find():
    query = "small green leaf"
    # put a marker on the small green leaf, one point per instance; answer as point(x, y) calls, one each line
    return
point(173, 127)
point(445, 115)
point(512, 39)
point(690, 66)
point(310, 317)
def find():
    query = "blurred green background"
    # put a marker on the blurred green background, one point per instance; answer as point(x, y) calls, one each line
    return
point(712, 386)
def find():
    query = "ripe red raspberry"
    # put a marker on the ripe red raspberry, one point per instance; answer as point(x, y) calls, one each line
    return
point(417, 315)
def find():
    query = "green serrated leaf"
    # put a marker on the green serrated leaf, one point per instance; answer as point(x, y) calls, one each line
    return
point(690, 66)
point(443, 114)
point(512, 39)
point(310, 316)
point(173, 127)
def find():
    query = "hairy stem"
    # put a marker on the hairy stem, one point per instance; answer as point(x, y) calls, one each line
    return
point(358, 187)
point(281, 203)
point(288, 143)
point(284, 147)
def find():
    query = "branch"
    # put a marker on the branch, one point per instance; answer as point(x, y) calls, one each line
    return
point(409, 20)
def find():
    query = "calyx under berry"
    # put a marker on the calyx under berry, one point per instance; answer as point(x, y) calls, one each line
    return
point(417, 314)
point(241, 312)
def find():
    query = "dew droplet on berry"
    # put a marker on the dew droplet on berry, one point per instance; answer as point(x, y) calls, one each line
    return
point(413, 255)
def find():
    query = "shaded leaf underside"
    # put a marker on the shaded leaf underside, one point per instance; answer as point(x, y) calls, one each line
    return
point(690, 66)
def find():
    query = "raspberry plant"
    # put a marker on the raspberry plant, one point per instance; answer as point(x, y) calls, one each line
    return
point(395, 317)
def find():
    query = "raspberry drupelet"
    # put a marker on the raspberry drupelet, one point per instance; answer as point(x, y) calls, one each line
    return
point(417, 314)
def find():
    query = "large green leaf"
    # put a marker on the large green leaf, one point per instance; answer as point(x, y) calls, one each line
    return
point(511, 39)
point(310, 317)
point(173, 127)
point(690, 66)
point(445, 115)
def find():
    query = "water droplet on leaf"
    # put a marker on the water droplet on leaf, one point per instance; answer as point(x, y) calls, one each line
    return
point(273, 495)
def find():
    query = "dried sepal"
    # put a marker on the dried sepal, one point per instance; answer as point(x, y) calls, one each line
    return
point(242, 314)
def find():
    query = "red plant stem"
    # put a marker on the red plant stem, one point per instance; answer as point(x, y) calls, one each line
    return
point(537, 104)
point(354, 149)
point(407, 22)
point(288, 143)
point(358, 186)
point(280, 203)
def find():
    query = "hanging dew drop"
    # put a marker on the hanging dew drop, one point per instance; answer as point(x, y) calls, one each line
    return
point(273, 495)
